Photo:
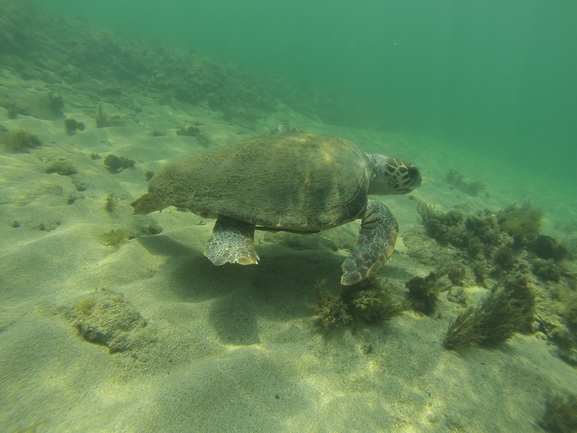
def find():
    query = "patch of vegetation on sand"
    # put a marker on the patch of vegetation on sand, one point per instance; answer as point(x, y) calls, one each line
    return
point(370, 301)
point(532, 276)
point(19, 141)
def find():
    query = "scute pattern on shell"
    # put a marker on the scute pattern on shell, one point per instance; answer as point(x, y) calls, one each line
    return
point(295, 181)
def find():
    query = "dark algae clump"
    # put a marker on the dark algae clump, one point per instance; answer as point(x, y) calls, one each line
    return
point(72, 125)
point(522, 223)
point(330, 308)
point(560, 414)
point(547, 270)
point(369, 301)
point(494, 243)
point(193, 131)
point(373, 301)
point(457, 274)
point(19, 141)
point(564, 332)
point(63, 168)
point(423, 292)
point(190, 131)
point(104, 121)
point(548, 248)
point(503, 313)
point(506, 251)
point(116, 164)
point(424, 209)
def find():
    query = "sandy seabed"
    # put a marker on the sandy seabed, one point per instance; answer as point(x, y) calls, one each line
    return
point(193, 347)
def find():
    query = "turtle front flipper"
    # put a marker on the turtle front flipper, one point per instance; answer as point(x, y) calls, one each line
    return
point(375, 244)
point(231, 242)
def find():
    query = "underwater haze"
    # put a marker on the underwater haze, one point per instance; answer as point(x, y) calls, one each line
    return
point(496, 75)
point(444, 302)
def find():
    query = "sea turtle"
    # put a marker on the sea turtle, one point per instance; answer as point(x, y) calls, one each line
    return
point(291, 181)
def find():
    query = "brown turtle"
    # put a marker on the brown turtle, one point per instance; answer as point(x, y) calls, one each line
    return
point(291, 181)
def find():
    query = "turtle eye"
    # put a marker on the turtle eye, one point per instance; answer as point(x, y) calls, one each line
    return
point(414, 172)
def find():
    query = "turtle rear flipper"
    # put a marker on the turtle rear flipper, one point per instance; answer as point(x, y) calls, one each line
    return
point(375, 244)
point(231, 242)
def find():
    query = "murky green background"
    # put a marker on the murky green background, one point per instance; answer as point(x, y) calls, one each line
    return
point(498, 74)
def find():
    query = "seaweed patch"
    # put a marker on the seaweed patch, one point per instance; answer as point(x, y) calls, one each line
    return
point(503, 312)
point(370, 301)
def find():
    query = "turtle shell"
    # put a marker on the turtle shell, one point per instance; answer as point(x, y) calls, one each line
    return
point(289, 181)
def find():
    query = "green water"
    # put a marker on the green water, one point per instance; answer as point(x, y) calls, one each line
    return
point(494, 75)
point(111, 321)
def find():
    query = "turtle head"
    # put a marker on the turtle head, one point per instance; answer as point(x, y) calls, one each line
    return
point(392, 176)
